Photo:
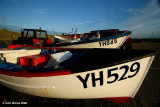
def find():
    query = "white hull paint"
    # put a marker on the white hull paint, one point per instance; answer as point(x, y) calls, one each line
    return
point(70, 87)
point(109, 44)
point(60, 39)
point(13, 55)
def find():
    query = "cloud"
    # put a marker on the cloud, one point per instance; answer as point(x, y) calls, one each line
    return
point(42, 12)
point(124, 8)
point(144, 20)
point(39, 12)
point(85, 22)
point(130, 10)
point(103, 22)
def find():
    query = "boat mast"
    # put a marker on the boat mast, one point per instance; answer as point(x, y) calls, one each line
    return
point(75, 34)
point(72, 28)
point(99, 36)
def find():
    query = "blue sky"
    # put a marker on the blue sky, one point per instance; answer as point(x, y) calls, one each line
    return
point(142, 17)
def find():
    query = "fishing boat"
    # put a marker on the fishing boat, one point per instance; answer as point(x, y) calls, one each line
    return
point(114, 75)
point(112, 42)
point(109, 39)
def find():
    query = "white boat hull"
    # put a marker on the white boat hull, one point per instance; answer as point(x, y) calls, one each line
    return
point(112, 43)
point(99, 83)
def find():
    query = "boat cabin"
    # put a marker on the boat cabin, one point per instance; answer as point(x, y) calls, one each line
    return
point(102, 33)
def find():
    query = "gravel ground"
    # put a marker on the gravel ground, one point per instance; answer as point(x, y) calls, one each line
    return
point(149, 92)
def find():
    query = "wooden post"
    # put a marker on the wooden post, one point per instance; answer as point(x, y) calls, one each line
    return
point(3, 23)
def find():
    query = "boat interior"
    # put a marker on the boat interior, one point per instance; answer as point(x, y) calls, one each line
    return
point(80, 61)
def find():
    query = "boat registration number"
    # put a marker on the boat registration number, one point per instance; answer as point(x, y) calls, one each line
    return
point(111, 73)
point(107, 42)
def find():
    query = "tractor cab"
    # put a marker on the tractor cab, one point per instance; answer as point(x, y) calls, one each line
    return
point(35, 37)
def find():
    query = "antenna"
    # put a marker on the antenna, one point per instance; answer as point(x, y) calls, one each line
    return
point(76, 29)
point(72, 27)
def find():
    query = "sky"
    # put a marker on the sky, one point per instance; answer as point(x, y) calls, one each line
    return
point(142, 17)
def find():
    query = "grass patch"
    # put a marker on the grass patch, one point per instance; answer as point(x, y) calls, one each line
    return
point(7, 37)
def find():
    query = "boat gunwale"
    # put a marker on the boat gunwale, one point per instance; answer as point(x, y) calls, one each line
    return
point(26, 73)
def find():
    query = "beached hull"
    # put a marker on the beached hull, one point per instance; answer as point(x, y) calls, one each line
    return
point(114, 42)
point(108, 43)
point(119, 81)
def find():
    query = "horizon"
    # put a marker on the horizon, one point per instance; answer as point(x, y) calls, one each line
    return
point(142, 17)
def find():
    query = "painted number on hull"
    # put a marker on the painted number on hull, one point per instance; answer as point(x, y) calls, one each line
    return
point(134, 68)
point(108, 42)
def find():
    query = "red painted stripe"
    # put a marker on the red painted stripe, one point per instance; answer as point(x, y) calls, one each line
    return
point(13, 46)
point(19, 45)
point(119, 99)
point(35, 46)
point(35, 74)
